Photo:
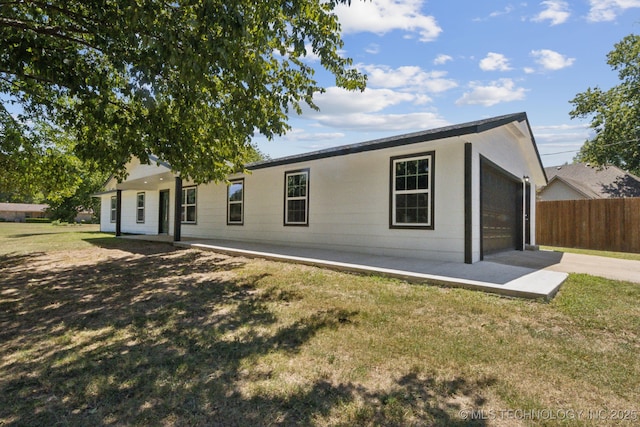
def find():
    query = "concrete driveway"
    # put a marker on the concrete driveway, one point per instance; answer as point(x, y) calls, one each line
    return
point(610, 268)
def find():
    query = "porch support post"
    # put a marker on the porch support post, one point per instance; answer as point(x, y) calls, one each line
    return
point(177, 216)
point(468, 203)
point(118, 212)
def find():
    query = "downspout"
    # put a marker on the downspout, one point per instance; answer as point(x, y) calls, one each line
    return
point(525, 181)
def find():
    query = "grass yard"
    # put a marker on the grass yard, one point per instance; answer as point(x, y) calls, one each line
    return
point(102, 331)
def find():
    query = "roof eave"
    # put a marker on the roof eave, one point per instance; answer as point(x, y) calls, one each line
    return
point(474, 127)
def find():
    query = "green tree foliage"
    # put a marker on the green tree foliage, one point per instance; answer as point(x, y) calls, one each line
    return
point(615, 113)
point(66, 208)
point(35, 162)
point(188, 81)
point(43, 169)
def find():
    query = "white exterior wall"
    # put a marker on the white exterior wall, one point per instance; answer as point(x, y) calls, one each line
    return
point(129, 212)
point(349, 199)
point(106, 226)
point(348, 206)
point(129, 204)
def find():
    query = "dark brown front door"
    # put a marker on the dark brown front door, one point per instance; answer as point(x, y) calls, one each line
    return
point(163, 227)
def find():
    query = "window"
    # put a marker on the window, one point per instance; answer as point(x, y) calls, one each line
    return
point(235, 202)
point(140, 208)
point(114, 208)
point(188, 205)
point(296, 210)
point(412, 191)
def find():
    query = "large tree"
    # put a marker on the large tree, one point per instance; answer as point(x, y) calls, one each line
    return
point(614, 113)
point(188, 81)
point(36, 162)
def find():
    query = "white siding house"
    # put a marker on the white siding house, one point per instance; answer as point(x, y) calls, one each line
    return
point(451, 194)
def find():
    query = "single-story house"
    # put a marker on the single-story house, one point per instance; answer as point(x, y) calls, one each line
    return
point(455, 193)
point(580, 181)
point(19, 212)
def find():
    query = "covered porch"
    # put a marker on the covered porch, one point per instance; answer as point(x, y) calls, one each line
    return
point(148, 202)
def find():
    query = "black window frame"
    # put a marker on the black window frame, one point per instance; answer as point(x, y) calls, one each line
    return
point(140, 208)
point(184, 206)
point(287, 198)
point(429, 191)
point(240, 202)
point(113, 211)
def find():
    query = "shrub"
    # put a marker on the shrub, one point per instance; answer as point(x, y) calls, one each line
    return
point(38, 220)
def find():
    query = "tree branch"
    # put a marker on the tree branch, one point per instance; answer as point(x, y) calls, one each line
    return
point(47, 30)
point(27, 76)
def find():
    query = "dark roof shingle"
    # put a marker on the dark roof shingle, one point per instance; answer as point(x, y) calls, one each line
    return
point(596, 182)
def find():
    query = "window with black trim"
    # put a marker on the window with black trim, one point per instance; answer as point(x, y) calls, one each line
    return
point(114, 208)
point(235, 202)
point(412, 191)
point(189, 205)
point(140, 208)
point(296, 209)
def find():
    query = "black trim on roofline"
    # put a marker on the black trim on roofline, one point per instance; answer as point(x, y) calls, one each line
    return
point(477, 126)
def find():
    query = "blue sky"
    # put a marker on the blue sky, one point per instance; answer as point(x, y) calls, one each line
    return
point(432, 63)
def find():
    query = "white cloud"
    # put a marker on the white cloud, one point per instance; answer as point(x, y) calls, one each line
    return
point(363, 111)
point(338, 101)
point(382, 16)
point(408, 77)
point(373, 49)
point(383, 122)
point(303, 135)
point(495, 62)
point(442, 59)
point(503, 90)
point(558, 135)
point(557, 11)
point(507, 10)
point(608, 10)
point(551, 60)
point(310, 54)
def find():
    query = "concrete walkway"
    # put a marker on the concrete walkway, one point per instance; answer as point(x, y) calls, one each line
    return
point(495, 276)
point(610, 268)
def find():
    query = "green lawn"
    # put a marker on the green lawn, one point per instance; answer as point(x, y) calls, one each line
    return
point(20, 238)
point(102, 331)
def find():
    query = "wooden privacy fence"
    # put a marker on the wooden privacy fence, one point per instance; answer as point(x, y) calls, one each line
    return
point(601, 224)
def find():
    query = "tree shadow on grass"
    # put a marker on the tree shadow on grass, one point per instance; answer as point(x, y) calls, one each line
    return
point(133, 246)
point(171, 337)
point(13, 259)
point(25, 235)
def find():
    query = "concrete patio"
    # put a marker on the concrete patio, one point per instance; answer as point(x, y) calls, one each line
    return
point(510, 274)
point(523, 274)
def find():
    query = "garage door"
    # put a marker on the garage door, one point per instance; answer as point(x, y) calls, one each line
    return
point(501, 209)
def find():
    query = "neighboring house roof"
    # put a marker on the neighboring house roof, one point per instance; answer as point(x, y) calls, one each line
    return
point(22, 207)
point(595, 182)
